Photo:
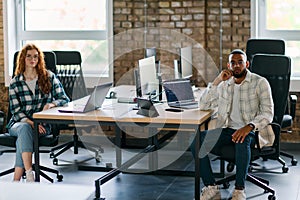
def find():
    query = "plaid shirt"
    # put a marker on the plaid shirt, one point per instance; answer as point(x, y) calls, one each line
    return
point(256, 103)
point(23, 103)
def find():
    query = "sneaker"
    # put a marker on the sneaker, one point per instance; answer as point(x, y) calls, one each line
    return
point(238, 195)
point(29, 176)
point(210, 192)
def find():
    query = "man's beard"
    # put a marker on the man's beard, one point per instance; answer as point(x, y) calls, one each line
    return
point(240, 75)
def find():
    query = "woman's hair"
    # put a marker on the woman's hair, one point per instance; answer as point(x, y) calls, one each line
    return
point(43, 79)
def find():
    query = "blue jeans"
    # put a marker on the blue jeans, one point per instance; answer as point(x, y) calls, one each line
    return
point(216, 139)
point(24, 133)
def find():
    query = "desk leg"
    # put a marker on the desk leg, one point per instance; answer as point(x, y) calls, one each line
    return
point(197, 165)
point(153, 156)
point(118, 133)
point(36, 153)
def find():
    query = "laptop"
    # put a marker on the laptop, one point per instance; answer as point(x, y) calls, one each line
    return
point(179, 94)
point(90, 102)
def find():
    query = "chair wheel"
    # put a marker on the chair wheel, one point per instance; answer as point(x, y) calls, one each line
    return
point(294, 162)
point(98, 158)
point(59, 177)
point(230, 167)
point(55, 161)
point(285, 169)
point(271, 197)
point(51, 154)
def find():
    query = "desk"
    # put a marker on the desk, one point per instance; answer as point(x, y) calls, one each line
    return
point(117, 114)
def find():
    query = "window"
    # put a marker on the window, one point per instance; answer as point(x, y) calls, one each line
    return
point(85, 26)
point(279, 19)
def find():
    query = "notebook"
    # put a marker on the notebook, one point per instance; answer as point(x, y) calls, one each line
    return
point(179, 94)
point(90, 102)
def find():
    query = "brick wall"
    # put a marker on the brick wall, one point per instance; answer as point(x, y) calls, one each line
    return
point(171, 24)
point(3, 89)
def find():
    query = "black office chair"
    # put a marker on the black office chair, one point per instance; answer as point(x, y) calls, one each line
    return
point(69, 73)
point(47, 141)
point(275, 46)
point(264, 46)
point(277, 70)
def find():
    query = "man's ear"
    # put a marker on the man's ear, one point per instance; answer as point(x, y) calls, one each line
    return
point(247, 64)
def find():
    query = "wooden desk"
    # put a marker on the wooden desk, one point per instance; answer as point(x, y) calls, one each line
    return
point(118, 114)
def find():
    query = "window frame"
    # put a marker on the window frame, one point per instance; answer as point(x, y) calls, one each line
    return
point(258, 30)
point(13, 13)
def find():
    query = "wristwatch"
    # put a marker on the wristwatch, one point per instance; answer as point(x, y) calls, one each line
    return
point(251, 125)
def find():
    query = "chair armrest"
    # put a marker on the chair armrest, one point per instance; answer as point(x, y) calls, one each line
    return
point(276, 129)
point(293, 102)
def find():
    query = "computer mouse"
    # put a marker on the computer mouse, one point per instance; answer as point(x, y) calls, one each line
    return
point(173, 110)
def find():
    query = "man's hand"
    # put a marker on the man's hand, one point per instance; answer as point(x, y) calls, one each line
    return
point(223, 76)
point(239, 135)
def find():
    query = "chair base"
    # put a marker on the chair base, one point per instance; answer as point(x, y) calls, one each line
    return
point(293, 161)
point(76, 144)
point(43, 174)
point(258, 181)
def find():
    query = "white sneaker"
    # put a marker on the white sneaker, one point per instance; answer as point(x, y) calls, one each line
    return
point(238, 195)
point(210, 192)
point(29, 176)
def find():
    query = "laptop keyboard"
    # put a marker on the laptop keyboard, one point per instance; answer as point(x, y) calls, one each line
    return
point(187, 105)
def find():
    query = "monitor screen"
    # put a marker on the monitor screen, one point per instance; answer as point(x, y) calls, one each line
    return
point(186, 67)
point(148, 79)
point(150, 52)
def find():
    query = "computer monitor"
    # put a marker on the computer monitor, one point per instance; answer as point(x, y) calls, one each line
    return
point(147, 74)
point(149, 52)
point(186, 66)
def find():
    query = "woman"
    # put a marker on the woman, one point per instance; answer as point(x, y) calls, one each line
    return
point(33, 89)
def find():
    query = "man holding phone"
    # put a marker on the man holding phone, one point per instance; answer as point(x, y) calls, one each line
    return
point(244, 104)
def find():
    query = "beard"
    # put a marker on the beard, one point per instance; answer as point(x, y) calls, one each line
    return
point(239, 75)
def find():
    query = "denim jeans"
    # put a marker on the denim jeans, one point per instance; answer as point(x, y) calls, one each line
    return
point(24, 133)
point(214, 141)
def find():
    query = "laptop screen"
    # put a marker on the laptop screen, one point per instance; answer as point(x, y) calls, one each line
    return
point(178, 90)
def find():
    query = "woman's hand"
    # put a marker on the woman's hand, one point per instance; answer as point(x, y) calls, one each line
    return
point(41, 128)
point(48, 106)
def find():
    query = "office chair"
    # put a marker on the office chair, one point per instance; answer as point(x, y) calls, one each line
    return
point(69, 73)
point(275, 46)
point(264, 46)
point(277, 70)
point(47, 141)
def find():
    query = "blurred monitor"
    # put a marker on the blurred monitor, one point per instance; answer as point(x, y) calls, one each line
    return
point(149, 52)
point(186, 67)
point(147, 74)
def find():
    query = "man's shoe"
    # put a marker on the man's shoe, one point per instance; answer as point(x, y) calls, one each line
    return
point(210, 192)
point(238, 195)
point(29, 176)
